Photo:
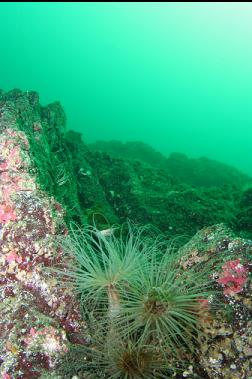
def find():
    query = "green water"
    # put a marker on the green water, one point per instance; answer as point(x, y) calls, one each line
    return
point(175, 75)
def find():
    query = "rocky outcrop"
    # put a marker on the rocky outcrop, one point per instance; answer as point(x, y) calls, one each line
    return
point(38, 319)
point(60, 172)
point(226, 347)
point(149, 195)
point(195, 172)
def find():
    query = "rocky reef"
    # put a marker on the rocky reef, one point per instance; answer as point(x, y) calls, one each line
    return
point(37, 318)
point(49, 178)
point(196, 172)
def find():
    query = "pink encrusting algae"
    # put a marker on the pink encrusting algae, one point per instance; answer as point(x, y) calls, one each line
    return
point(233, 277)
point(6, 213)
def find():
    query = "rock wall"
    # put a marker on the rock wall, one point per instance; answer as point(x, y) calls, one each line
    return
point(38, 319)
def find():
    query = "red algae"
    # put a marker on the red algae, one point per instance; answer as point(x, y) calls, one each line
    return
point(233, 277)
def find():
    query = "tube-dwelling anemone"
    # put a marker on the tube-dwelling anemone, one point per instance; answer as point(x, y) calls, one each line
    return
point(165, 304)
point(145, 307)
point(132, 362)
point(129, 359)
point(101, 266)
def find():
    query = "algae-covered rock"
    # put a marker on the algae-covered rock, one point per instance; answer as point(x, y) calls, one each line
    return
point(204, 171)
point(225, 350)
point(44, 128)
point(131, 150)
point(196, 172)
point(149, 195)
point(38, 319)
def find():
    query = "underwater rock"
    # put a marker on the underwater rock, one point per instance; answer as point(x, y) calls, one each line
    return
point(38, 319)
point(131, 150)
point(56, 169)
point(49, 178)
point(146, 194)
point(196, 172)
point(97, 188)
point(225, 350)
point(93, 200)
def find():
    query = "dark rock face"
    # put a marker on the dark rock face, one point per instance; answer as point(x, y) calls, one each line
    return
point(196, 172)
point(204, 172)
point(134, 150)
point(149, 195)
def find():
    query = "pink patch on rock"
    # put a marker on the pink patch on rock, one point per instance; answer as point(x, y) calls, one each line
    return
point(3, 166)
point(33, 332)
point(233, 277)
point(6, 213)
point(12, 257)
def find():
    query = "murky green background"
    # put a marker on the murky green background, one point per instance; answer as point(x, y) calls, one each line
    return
point(175, 75)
